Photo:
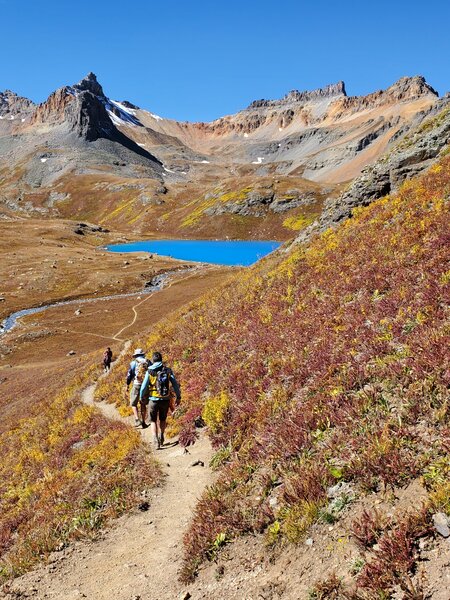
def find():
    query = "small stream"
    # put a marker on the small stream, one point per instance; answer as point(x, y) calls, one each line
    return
point(156, 284)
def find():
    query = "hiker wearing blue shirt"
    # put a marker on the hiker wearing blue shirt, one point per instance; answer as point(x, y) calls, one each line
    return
point(155, 390)
point(136, 375)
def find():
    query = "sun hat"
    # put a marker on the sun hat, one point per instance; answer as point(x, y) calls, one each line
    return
point(139, 352)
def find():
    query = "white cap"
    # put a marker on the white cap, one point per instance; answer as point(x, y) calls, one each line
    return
point(139, 352)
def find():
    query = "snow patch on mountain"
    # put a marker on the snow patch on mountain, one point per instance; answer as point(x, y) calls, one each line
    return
point(123, 108)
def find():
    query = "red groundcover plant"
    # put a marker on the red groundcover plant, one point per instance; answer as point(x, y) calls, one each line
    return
point(324, 363)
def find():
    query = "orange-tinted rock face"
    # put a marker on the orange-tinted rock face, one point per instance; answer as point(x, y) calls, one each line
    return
point(53, 110)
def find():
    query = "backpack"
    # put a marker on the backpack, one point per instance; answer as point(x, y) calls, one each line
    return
point(161, 381)
point(140, 369)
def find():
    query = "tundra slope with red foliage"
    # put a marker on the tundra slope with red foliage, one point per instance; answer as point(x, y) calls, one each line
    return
point(326, 364)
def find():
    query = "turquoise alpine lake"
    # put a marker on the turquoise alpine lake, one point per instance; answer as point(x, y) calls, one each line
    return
point(223, 252)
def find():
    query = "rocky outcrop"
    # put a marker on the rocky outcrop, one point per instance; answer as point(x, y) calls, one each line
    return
point(90, 84)
point(257, 202)
point(81, 107)
point(294, 105)
point(329, 91)
point(129, 105)
point(416, 151)
point(12, 105)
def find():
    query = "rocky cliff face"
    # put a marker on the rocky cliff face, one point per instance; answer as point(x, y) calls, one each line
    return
point(418, 149)
point(314, 107)
point(82, 107)
point(406, 89)
point(280, 112)
point(295, 96)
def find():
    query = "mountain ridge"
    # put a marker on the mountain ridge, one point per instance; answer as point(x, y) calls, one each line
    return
point(404, 87)
point(79, 139)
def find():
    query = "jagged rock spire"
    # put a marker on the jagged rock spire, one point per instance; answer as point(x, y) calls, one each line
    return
point(90, 84)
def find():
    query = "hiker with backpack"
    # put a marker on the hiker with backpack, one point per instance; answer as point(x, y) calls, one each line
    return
point(136, 375)
point(155, 390)
point(107, 358)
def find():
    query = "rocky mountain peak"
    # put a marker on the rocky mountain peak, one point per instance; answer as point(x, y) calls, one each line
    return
point(81, 107)
point(407, 88)
point(90, 84)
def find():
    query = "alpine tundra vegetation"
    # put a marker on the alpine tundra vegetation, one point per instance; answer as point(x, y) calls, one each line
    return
point(324, 365)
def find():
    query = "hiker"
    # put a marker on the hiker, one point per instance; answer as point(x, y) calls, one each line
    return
point(136, 375)
point(107, 358)
point(156, 390)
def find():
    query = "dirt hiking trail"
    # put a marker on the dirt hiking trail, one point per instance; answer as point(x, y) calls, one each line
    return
point(139, 556)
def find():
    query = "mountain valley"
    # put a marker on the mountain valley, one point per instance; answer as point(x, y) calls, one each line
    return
point(315, 381)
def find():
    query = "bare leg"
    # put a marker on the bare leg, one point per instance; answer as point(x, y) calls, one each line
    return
point(154, 429)
point(162, 427)
point(144, 413)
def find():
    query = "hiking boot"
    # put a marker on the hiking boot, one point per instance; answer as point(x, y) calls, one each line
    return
point(156, 443)
point(144, 425)
point(137, 423)
point(161, 439)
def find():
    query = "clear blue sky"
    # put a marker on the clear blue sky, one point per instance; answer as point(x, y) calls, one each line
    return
point(198, 60)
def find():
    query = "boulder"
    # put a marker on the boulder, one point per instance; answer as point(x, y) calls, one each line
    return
point(441, 524)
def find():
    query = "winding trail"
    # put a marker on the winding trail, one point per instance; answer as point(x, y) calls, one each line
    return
point(162, 281)
point(133, 308)
point(140, 555)
point(170, 281)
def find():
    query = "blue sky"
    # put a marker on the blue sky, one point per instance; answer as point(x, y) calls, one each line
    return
point(198, 60)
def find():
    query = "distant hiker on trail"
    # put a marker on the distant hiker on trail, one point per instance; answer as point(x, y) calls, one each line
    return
point(136, 375)
point(156, 390)
point(107, 358)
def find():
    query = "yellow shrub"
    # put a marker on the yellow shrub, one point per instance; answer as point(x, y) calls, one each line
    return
point(214, 411)
point(298, 519)
point(297, 222)
point(83, 415)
